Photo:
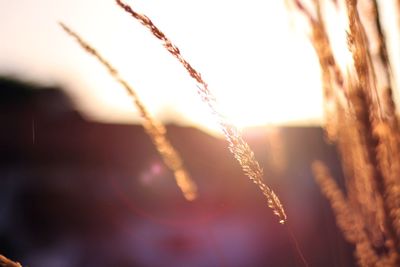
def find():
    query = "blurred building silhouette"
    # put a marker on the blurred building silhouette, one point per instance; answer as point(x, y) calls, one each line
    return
point(80, 193)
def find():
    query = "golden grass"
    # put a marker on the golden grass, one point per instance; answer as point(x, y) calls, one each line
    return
point(237, 146)
point(154, 129)
point(360, 119)
point(348, 221)
point(4, 262)
point(366, 133)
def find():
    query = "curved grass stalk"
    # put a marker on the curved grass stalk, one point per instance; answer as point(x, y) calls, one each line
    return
point(237, 146)
point(154, 129)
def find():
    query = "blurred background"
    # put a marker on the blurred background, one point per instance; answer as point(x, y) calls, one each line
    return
point(82, 193)
point(82, 185)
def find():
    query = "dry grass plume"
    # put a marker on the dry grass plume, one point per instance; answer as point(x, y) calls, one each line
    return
point(238, 147)
point(4, 262)
point(154, 129)
point(363, 124)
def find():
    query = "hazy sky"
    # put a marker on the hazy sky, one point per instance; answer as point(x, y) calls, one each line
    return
point(255, 59)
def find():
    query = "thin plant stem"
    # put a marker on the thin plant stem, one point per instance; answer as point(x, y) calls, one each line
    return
point(237, 146)
point(155, 130)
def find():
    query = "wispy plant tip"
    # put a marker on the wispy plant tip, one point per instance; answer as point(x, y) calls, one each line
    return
point(238, 147)
point(155, 130)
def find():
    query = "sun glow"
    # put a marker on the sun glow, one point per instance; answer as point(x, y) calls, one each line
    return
point(261, 69)
point(256, 81)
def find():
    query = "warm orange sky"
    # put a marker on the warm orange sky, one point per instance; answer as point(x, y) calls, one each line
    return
point(256, 59)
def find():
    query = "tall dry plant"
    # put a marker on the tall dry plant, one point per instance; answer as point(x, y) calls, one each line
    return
point(5, 262)
point(361, 120)
point(154, 129)
point(237, 146)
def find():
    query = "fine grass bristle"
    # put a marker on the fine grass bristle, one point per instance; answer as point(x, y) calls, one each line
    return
point(154, 129)
point(237, 146)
